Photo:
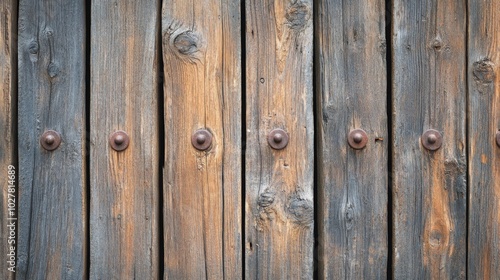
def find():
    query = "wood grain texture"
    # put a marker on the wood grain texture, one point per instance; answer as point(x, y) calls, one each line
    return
point(8, 154)
point(202, 189)
point(124, 203)
point(351, 87)
point(279, 208)
point(484, 155)
point(52, 187)
point(429, 92)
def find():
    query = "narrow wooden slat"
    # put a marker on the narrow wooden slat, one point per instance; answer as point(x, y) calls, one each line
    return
point(429, 92)
point(8, 94)
point(124, 185)
point(202, 189)
point(352, 184)
point(52, 187)
point(279, 211)
point(484, 155)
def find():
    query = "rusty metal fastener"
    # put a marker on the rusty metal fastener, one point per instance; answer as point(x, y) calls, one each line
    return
point(498, 138)
point(357, 139)
point(432, 139)
point(50, 140)
point(277, 139)
point(201, 139)
point(119, 140)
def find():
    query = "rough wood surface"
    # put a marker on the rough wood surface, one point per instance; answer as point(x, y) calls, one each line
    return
point(429, 92)
point(124, 206)
point(8, 94)
point(52, 187)
point(279, 208)
point(352, 184)
point(484, 155)
point(202, 189)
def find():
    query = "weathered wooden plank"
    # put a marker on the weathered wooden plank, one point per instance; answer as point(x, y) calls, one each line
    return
point(8, 154)
point(429, 92)
point(484, 155)
point(202, 189)
point(124, 235)
point(352, 184)
point(279, 212)
point(52, 187)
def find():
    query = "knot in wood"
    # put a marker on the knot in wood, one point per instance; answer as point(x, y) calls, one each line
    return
point(301, 211)
point(265, 199)
point(483, 71)
point(298, 15)
point(186, 43)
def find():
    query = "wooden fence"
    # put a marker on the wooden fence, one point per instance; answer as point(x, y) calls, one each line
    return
point(256, 139)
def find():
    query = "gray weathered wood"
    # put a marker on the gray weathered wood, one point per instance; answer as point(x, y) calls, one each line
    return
point(429, 92)
point(52, 188)
point(124, 235)
point(202, 190)
point(279, 211)
point(351, 93)
point(8, 94)
point(484, 155)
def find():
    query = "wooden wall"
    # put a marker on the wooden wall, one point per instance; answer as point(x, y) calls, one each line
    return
point(308, 204)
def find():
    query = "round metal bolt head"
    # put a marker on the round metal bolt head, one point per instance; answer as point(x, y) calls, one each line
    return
point(202, 139)
point(432, 139)
point(50, 140)
point(498, 138)
point(119, 140)
point(357, 139)
point(277, 139)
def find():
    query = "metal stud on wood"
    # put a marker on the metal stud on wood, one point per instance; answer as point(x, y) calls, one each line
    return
point(432, 139)
point(119, 140)
point(357, 139)
point(202, 139)
point(277, 139)
point(50, 140)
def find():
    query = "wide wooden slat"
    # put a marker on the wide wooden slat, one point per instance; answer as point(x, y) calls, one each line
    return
point(202, 189)
point(429, 92)
point(484, 155)
point(352, 184)
point(279, 211)
point(52, 187)
point(124, 203)
point(8, 94)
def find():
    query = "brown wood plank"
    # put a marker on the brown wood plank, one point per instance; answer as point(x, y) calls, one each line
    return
point(124, 204)
point(279, 208)
point(429, 92)
point(352, 184)
point(202, 189)
point(8, 154)
point(52, 186)
point(484, 155)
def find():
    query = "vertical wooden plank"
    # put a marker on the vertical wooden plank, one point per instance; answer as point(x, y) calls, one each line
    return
point(202, 189)
point(8, 94)
point(124, 185)
point(352, 184)
point(429, 92)
point(279, 211)
point(484, 154)
point(52, 186)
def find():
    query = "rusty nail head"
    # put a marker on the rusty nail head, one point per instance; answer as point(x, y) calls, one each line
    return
point(498, 138)
point(201, 139)
point(119, 140)
point(357, 139)
point(277, 139)
point(432, 139)
point(50, 140)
